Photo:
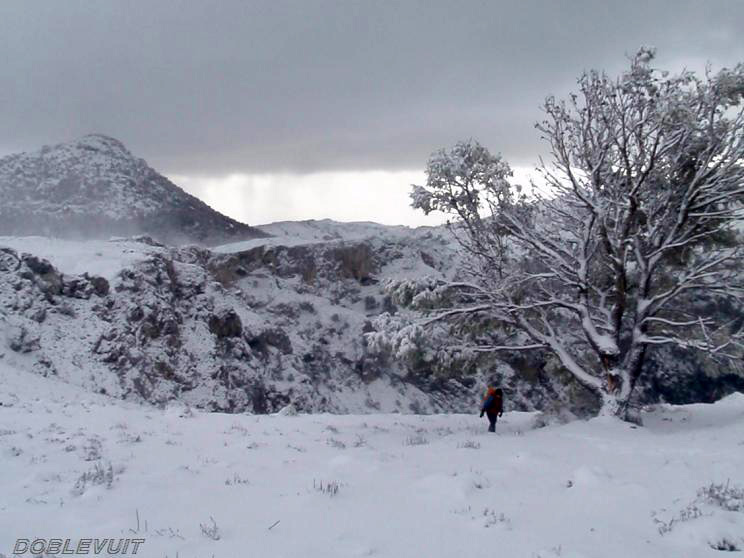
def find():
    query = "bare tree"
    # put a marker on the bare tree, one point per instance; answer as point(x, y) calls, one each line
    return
point(632, 228)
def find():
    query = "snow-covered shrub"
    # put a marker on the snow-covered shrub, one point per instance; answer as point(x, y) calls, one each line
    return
point(396, 338)
point(142, 528)
point(237, 428)
point(92, 450)
point(688, 513)
point(211, 531)
point(725, 545)
point(329, 488)
point(492, 518)
point(724, 496)
point(469, 444)
point(420, 351)
point(98, 476)
point(421, 294)
point(334, 443)
point(416, 440)
point(237, 480)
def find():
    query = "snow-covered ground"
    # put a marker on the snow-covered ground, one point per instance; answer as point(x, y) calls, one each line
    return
point(105, 258)
point(298, 233)
point(79, 465)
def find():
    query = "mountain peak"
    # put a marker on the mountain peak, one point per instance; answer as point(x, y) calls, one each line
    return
point(103, 144)
point(80, 150)
point(95, 187)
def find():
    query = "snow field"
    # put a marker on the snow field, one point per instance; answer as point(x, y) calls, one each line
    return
point(105, 258)
point(79, 465)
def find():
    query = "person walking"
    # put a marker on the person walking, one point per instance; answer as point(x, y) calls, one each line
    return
point(493, 405)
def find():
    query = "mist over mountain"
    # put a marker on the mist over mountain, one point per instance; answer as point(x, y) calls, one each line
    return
point(95, 188)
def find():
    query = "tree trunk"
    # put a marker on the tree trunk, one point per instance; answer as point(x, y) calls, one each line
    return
point(616, 404)
point(616, 396)
point(611, 405)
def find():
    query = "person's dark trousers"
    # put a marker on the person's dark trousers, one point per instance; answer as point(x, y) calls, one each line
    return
point(492, 417)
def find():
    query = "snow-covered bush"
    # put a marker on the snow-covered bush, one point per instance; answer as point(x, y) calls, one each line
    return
point(398, 338)
point(237, 480)
point(329, 488)
point(491, 518)
point(416, 440)
point(421, 293)
point(724, 496)
point(688, 513)
point(417, 348)
point(211, 531)
point(725, 545)
point(709, 499)
point(98, 476)
point(335, 443)
point(92, 450)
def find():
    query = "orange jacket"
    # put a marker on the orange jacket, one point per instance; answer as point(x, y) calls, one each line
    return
point(493, 402)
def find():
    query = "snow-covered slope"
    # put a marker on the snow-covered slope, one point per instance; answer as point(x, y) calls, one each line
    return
point(251, 326)
point(295, 233)
point(83, 466)
point(251, 329)
point(94, 187)
point(106, 258)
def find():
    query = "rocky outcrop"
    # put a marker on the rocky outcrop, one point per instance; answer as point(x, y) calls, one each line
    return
point(251, 331)
point(356, 262)
point(335, 260)
point(225, 323)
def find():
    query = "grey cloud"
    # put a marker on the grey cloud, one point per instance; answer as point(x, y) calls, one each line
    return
point(214, 87)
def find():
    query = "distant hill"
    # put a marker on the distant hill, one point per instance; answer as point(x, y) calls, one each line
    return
point(95, 188)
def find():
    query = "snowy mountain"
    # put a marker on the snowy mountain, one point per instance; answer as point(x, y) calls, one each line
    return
point(95, 188)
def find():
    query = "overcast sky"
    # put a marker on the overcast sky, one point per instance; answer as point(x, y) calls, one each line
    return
point(312, 109)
